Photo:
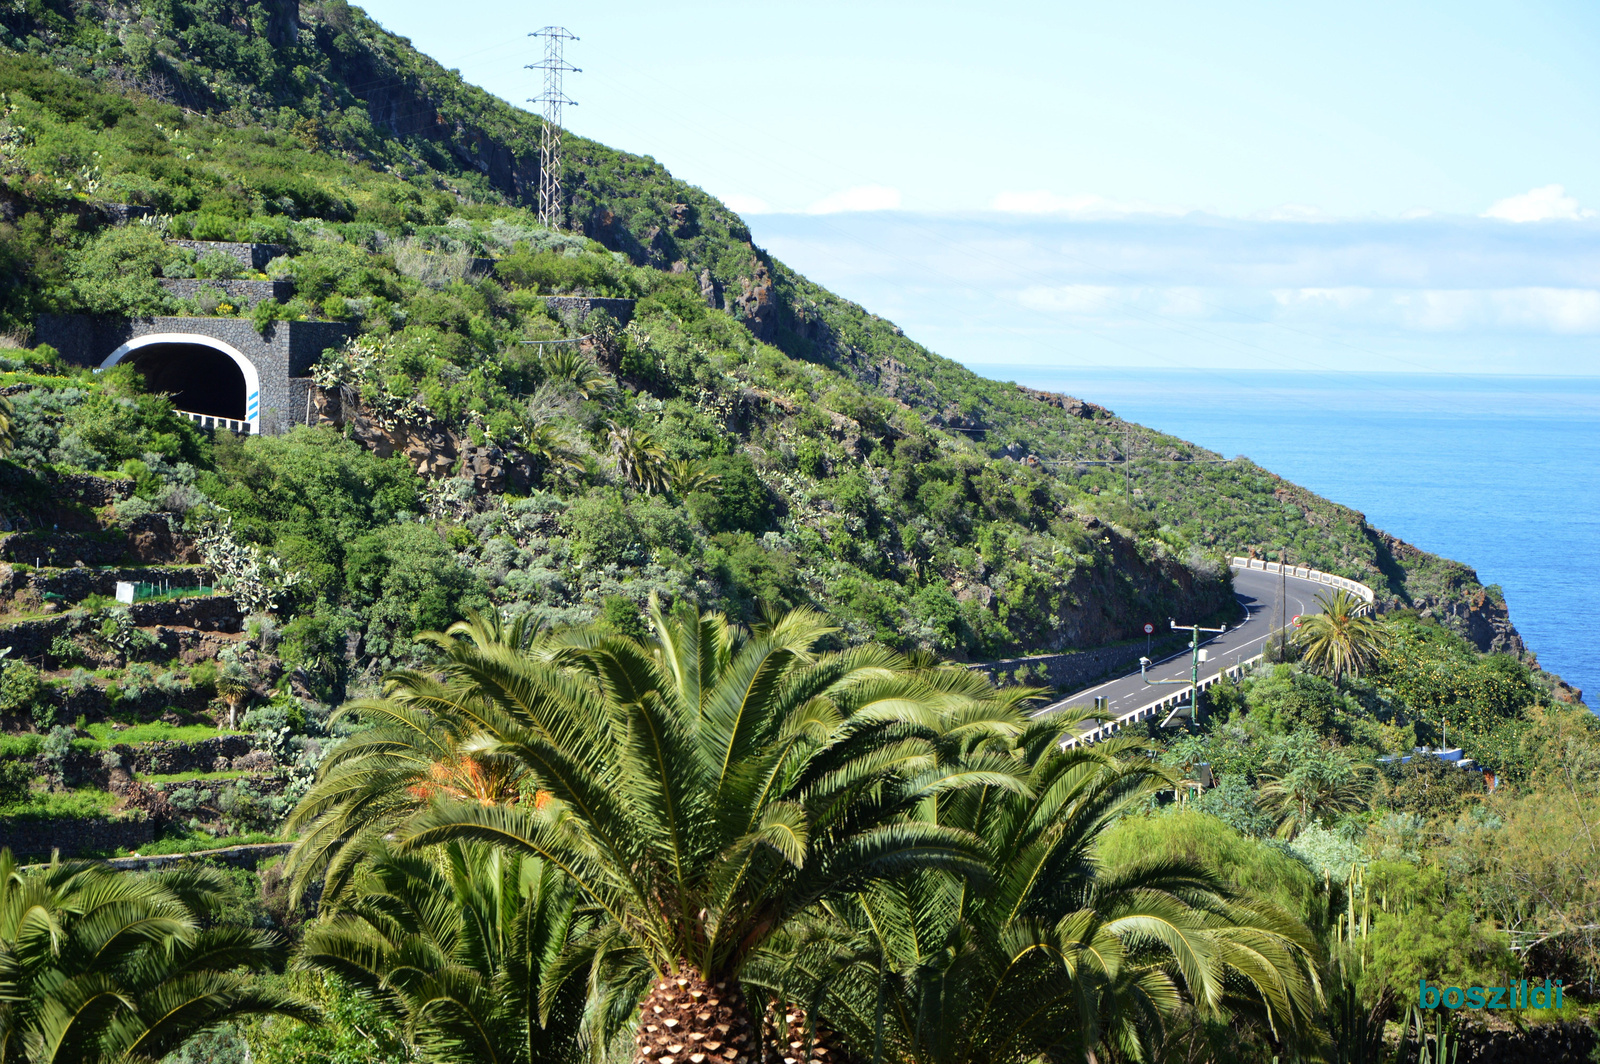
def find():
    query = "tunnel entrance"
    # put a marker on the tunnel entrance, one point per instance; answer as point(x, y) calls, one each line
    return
point(200, 379)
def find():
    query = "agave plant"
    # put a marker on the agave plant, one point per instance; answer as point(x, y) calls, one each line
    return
point(706, 787)
point(1055, 959)
point(99, 967)
point(462, 949)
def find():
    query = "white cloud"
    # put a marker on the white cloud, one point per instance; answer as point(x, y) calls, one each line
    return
point(1077, 298)
point(1039, 201)
point(1292, 212)
point(1547, 204)
point(743, 204)
point(860, 198)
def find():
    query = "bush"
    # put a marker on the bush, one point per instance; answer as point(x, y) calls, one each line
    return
point(15, 776)
point(739, 503)
point(19, 690)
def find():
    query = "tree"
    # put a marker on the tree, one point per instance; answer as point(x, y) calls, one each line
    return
point(1056, 958)
point(97, 966)
point(688, 475)
point(1343, 639)
point(706, 786)
point(462, 951)
point(1326, 783)
point(640, 458)
point(417, 751)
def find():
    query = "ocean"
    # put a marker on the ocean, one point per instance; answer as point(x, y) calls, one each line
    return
point(1500, 473)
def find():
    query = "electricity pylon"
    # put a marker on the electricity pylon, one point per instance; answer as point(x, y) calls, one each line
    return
point(553, 100)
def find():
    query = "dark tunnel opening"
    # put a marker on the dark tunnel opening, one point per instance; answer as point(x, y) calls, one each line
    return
point(200, 379)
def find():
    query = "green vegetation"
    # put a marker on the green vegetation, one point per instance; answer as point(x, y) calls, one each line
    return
point(103, 736)
point(102, 967)
point(647, 769)
point(838, 480)
point(86, 803)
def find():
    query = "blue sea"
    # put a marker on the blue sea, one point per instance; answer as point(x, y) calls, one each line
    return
point(1501, 473)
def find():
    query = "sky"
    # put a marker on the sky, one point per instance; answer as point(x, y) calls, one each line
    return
point(1361, 186)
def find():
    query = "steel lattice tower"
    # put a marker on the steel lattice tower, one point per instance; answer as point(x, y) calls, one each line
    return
point(550, 137)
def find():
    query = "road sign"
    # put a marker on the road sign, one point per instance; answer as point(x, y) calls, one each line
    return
point(1149, 629)
point(1297, 620)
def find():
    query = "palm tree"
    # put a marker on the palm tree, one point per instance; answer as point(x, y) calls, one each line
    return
point(1343, 639)
point(1327, 784)
point(706, 786)
point(1056, 959)
point(417, 752)
point(688, 475)
point(639, 457)
point(568, 364)
point(463, 951)
point(97, 966)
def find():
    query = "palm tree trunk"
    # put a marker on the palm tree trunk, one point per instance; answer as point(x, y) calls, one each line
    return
point(788, 1041)
point(686, 1019)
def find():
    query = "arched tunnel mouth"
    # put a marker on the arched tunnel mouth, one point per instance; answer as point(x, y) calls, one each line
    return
point(200, 379)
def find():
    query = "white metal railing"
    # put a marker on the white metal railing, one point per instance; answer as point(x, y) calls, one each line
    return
point(211, 421)
point(1360, 590)
point(1106, 729)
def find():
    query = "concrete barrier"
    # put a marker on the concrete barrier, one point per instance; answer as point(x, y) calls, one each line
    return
point(1360, 590)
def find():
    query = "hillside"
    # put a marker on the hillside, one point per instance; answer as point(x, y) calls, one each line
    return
point(271, 122)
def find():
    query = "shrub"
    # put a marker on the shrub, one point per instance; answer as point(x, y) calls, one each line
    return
point(15, 776)
point(19, 689)
point(740, 501)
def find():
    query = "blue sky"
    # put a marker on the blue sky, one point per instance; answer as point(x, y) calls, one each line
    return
point(1251, 185)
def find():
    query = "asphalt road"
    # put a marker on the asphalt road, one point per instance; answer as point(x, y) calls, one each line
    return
point(1257, 593)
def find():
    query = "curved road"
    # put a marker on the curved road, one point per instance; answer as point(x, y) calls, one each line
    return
point(1257, 593)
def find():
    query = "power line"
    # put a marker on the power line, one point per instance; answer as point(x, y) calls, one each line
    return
point(553, 100)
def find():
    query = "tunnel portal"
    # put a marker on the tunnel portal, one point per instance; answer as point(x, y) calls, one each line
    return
point(200, 379)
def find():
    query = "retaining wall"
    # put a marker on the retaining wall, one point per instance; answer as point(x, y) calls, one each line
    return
point(79, 583)
point(250, 256)
point(239, 293)
point(216, 613)
point(582, 306)
point(1069, 671)
point(37, 838)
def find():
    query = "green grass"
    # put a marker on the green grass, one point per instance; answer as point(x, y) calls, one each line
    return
point(102, 737)
point(25, 745)
point(72, 805)
point(193, 777)
point(191, 844)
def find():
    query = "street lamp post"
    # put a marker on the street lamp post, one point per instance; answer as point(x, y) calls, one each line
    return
point(1196, 656)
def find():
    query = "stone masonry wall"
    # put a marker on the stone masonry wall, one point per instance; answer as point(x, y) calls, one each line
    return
point(1068, 672)
point(36, 838)
point(288, 349)
point(240, 293)
point(250, 256)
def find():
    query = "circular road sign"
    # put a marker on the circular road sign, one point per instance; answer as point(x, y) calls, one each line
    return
point(1149, 629)
point(1297, 620)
